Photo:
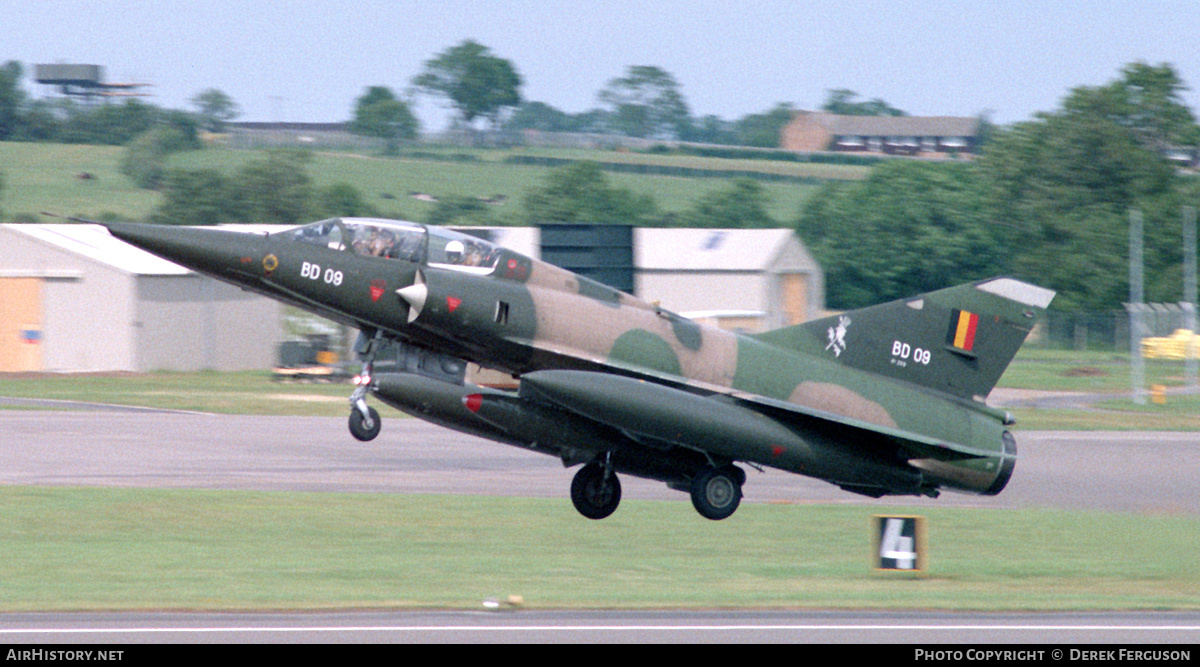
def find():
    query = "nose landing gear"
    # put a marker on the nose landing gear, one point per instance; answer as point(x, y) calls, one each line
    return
point(364, 419)
point(365, 423)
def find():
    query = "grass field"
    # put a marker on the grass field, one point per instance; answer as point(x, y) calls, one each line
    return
point(776, 167)
point(45, 177)
point(1100, 373)
point(66, 549)
point(83, 548)
point(256, 392)
point(247, 392)
point(1087, 372)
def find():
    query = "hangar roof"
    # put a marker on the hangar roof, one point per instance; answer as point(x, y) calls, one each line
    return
point(673, 248)
point(657, 249)
point(682, 249)
point(95, 243)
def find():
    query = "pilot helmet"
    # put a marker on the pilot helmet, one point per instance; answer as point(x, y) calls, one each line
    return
point(454, 251)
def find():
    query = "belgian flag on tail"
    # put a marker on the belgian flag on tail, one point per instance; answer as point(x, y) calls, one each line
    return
point(961, 335)
point(967, 335)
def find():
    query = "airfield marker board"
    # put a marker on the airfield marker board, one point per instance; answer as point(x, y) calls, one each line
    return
point(900, 543)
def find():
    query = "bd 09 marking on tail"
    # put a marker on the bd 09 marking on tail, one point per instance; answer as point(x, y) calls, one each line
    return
point(903, 353)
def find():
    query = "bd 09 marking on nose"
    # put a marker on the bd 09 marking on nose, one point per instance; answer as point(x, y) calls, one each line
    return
point(313, 272)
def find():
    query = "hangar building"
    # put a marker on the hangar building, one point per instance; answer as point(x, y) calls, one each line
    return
point(752, 279)
point(73, 298)
point(749, 279)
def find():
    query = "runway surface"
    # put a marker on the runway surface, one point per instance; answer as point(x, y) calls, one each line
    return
point(1137, 472)
point(1119, 471)
point(545, 627)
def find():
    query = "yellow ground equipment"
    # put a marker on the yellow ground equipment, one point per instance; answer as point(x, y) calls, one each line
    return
point(1182, 344)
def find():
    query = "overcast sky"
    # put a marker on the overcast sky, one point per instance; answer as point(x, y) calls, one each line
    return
point(308, 61)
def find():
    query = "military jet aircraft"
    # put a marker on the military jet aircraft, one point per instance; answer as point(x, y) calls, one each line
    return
point(879, 401)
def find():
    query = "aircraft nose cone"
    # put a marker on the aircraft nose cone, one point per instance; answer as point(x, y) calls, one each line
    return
point(206, 250)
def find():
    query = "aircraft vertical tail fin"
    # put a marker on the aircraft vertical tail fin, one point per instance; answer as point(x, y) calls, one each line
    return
point(958, 340)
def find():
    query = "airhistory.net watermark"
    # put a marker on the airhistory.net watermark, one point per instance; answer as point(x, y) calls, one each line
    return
point(38, 654)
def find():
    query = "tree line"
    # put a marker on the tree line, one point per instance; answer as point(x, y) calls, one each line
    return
point(484, 89)
point(1046, 200)
point(64, 120)
point(647, 102)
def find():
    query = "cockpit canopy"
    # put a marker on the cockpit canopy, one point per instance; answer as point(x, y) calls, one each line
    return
point(407, 241)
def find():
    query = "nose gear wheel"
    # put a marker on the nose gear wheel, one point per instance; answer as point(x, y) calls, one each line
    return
point(364, 421)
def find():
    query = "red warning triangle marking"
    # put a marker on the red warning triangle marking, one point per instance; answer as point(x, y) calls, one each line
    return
point(378, 287)
point(452, 303)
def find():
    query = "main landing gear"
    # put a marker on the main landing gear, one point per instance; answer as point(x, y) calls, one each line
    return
point(365, 423)
point(716, 491)
point(596, 491)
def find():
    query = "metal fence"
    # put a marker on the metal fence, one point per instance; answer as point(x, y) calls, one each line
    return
point(1105, 330)
point(284, 136)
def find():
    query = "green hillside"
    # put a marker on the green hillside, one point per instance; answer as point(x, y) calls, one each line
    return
point(50, 177)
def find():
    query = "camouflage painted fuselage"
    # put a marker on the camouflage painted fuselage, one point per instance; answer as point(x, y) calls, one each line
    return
point(884, 400)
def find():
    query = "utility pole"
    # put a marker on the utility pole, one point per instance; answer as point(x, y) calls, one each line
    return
point(277, 135)
point(1136, 296)
point(1189, 292)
